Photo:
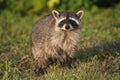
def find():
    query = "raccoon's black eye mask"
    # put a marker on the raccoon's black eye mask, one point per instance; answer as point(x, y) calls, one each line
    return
point(73, 23)
point(61, 23)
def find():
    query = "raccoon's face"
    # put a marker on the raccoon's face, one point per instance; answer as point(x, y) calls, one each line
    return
point(67, 20)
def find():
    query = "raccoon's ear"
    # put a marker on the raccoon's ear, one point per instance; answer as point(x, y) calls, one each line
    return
point(56, 14)
point(80, 14)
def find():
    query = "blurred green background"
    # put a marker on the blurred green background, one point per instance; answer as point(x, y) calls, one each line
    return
point(25, 7)
point(97, 53)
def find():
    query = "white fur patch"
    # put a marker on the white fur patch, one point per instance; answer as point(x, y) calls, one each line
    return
point(75, 20)
point(61, 19)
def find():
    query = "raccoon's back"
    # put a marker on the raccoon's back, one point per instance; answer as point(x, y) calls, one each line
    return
point(42, 29)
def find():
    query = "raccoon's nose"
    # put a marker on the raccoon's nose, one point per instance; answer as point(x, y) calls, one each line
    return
point(67, 27)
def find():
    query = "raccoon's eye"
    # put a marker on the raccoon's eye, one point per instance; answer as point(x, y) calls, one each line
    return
point(61, 23)
point(73, 23)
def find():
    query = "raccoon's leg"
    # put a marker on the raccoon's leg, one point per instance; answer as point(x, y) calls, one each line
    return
point(59, 58)
point(39, 60)
point(63, 58)
point(39, 69)
point(68, 57)
point(40, 65)
point(67, 60)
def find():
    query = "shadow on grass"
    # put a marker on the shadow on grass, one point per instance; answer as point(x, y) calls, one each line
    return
point(101, 51)
point(107, 54)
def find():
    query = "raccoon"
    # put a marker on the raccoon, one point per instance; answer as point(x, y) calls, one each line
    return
point(54, 38)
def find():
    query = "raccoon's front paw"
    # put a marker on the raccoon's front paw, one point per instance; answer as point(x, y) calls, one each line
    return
point(40, 71)
point(67, 64)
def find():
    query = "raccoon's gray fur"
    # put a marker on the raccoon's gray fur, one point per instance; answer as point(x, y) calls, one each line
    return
point(55, 36)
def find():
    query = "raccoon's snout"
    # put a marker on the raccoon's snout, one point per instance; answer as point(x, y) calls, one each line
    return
point(67, 27)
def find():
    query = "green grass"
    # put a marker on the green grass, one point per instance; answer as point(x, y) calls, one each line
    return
point(97, 54)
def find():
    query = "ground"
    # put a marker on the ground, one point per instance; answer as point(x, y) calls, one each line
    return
point(97, 54)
